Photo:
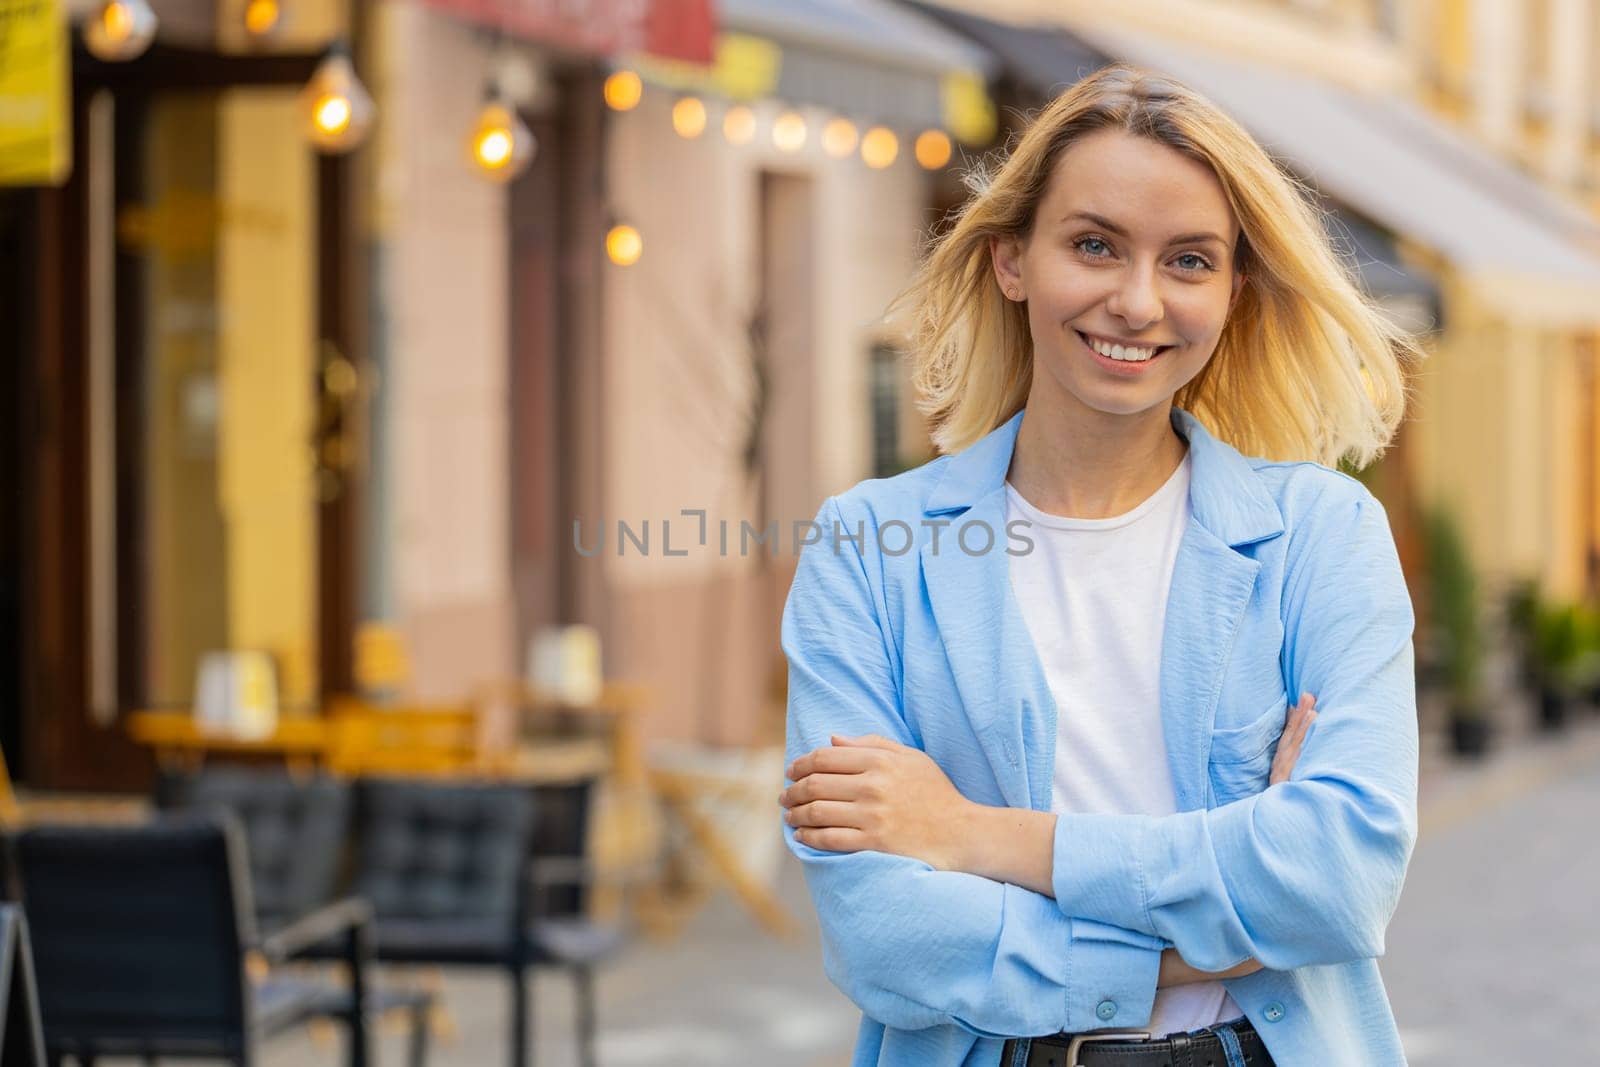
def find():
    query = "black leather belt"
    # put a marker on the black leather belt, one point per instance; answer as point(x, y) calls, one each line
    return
point(1113, 1048)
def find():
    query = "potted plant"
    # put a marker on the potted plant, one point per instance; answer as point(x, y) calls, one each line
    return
point(1564, 658)
point(1457, 633)
point(1521, 609)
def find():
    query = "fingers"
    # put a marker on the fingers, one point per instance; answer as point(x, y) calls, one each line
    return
point(832, 761)
point(865, 741)
point(825, 813)
point(832, 839)
point(1300, 718)
point(821, 787)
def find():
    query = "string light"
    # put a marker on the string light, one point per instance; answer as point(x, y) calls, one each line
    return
point(839, 137)
point(623, 90)
point(120, 30)
point(262, 17)
point(789, 132)
point(689, 117)
point(932, 149)
point(879, 147)
point(501, 145)
point(336, 105)
point(624, 246)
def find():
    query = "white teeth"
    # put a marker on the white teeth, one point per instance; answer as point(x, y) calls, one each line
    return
point(1127, 355)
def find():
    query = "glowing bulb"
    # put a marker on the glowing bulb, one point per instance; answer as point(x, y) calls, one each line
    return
point(336, 105)
point(333, 114)
point(789, 132)
point(120, 30)
point(932, 149)
point(623, 90)
point(624, 245)
point(739, 125)
point(501, 146)
point(879, 147)
point(494, 148)
point(261, 17)
point(839, 137)
point(689, 117)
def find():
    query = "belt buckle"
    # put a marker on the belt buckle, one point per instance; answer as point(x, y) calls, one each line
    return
point(1079, 1040)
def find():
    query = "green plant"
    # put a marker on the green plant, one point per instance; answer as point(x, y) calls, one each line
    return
point(1566, 646)
point(1453, 602)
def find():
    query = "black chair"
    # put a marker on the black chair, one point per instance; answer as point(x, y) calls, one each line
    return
point(296, 829)
point(443, 865)
point(140, 937)
point(21, 1035)
point(559, 932)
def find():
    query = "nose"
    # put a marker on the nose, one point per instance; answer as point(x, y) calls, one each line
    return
point(1136, 300)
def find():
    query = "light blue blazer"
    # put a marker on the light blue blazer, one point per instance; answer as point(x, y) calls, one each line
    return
point(1286, 581)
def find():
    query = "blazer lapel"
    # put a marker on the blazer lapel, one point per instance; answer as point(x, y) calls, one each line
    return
point(1211, 586)
point(992, 657)
point(978, 624)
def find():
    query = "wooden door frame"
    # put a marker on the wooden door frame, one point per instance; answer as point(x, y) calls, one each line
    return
point(63, 748)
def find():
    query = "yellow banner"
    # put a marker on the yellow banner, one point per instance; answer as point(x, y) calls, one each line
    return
point(35, 110)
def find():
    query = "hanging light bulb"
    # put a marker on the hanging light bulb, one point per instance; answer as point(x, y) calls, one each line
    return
point(839, 137)
point(120, 30)
point(879, 147)
point(623, 90)
point(739, 124)
point(337, 108)
point(501, 145)
point(624, 246)
point(262, 18)
point(689, 117)
point(789, 132)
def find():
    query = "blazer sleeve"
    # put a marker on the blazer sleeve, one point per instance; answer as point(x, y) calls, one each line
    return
point(1310, 870)
point(912, 946)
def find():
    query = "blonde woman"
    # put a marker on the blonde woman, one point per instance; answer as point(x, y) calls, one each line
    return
point(1051, 797)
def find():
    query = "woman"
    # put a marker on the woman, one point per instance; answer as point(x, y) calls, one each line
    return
point(1039, 686)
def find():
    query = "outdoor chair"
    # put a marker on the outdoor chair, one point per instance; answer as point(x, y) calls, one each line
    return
point(21, 1035)
point(296, 831)
point(482, 875)
point(141, 936)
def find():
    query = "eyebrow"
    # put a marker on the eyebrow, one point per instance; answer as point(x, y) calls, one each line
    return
point(1105, 223)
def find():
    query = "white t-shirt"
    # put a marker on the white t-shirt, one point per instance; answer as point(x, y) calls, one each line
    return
point(1093, 593)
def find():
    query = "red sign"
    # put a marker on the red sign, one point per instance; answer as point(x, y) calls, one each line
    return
point(673, 29)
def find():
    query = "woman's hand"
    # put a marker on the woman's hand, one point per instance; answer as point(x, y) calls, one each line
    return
point(1174, 969)
point(1301, 716)
point(873, 793)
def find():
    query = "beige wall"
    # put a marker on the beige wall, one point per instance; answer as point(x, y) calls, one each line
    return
point(444, 292)
point(702, 629)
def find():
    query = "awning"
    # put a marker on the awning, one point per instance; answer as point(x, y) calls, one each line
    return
point(1041, 60)
point(867, 59)
point(1526, 254)
point(675, 29)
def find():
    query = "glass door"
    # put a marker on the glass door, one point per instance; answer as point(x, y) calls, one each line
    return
point(220, 381)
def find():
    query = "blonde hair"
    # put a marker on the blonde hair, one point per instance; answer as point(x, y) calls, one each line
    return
point(1306, 367)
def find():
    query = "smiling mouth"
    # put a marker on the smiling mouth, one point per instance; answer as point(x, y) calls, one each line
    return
point(1158, 351)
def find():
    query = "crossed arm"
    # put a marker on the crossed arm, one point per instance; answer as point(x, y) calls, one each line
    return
point(871, 793)
point(1307, 872)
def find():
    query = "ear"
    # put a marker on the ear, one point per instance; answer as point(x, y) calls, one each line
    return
point(1006, 254)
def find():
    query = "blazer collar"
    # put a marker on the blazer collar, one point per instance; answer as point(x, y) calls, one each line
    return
point(1225, 494)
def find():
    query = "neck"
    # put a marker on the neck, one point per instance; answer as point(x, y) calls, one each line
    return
point(1086, 464)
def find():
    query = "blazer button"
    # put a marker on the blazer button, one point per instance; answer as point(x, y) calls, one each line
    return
point(1273, 1012)
point(1107, 1010)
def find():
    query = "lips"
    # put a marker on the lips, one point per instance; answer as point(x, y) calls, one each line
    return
point(1160, 351)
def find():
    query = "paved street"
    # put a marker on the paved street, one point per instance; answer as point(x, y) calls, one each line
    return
point(1497, 929)
point(1497, 926)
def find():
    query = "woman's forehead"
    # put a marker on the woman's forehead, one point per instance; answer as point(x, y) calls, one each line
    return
point(1142, 187)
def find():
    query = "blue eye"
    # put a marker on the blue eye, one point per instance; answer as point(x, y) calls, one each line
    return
point(1200, 262)
point(1083, 243)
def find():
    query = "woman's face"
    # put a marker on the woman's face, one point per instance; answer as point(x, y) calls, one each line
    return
point(1133, 242)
